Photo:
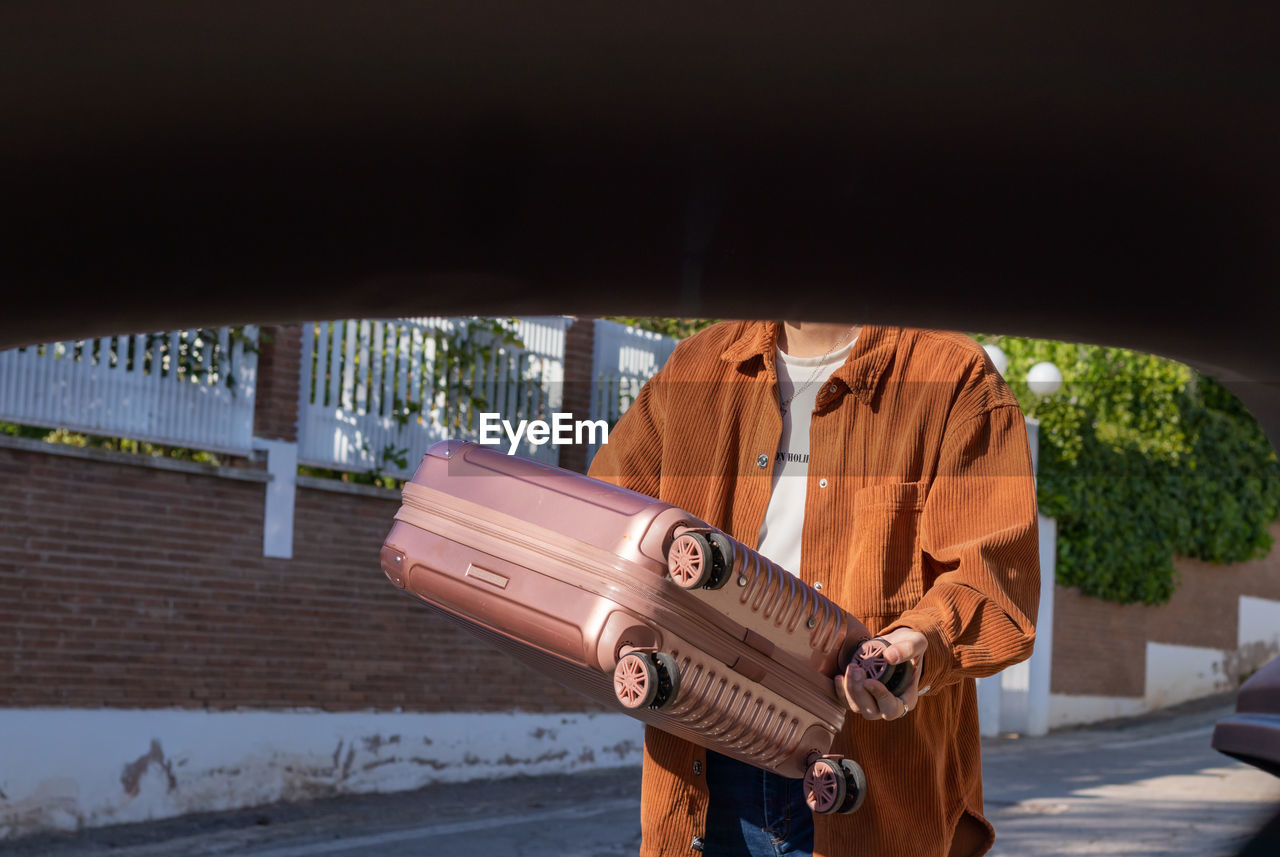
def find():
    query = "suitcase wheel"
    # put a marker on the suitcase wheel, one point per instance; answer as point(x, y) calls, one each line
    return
point(696, 560)
point(689, 561)
point(826, 787)
point(635, 680)
point(834, 785)
point(722, 552)
point(855, 784)
point(641, 679)
point(895, 677)
point(668, 680)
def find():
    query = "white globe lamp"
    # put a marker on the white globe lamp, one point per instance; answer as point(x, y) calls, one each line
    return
point(1044, 379)
point(998, 357)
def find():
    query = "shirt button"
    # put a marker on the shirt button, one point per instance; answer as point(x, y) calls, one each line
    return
point(818, 586)
point(697, 769)
point(831, 388)
point(822, 483)
point(762, 460)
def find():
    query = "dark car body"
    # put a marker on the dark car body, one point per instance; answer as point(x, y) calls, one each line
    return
point(1252, 734)
point(1082, 172)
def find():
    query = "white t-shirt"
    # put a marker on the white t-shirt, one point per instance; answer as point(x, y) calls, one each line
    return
point(784, 518)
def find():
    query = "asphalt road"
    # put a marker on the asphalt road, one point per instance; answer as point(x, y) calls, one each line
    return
point(1152, 786)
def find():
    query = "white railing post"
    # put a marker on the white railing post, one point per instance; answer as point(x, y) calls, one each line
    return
point(277, 517)
point(623, 358)
point(136, 386)
point(1039, 686)
point(1017, 698)
point(392, 364)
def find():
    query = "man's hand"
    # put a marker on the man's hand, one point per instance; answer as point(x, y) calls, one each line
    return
point(872, 699)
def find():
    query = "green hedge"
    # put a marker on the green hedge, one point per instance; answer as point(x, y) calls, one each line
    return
point(1143, 459)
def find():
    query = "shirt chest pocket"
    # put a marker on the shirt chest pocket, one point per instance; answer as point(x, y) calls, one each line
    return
point(885, 562)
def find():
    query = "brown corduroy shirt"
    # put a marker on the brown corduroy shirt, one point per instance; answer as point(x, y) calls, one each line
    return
point(920, 512)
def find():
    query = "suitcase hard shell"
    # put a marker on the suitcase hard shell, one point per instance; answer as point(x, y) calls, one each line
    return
point(636, 604)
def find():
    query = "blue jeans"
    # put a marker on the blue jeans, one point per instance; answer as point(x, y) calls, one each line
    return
point(754, 813)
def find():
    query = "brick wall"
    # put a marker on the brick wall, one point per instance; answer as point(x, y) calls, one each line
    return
point(275, 415)
point(1099, 647)
point(126, 585)
point(579, 348)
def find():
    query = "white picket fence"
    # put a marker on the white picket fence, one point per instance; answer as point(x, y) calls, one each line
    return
point(191, 388)
point(375, 393)
point(624, 358)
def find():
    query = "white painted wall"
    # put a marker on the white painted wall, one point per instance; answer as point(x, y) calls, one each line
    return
point(63, 769)
point(1175, 674)
point(989, 704)
point(1178, 673)
point(1071, 709)
point(1259, 624)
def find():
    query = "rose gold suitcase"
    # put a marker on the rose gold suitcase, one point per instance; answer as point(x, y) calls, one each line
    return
point(635, 604)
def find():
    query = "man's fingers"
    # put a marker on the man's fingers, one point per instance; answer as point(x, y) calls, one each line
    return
point(903, 650)
point(887, 705)
point(855, 692)
point(905, 644)
point(898, 653)
point(871, 698)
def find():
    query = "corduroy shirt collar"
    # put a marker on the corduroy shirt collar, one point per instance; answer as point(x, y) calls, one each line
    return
point(871, 355)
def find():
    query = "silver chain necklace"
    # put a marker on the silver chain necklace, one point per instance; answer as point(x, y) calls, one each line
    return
point(784, 404)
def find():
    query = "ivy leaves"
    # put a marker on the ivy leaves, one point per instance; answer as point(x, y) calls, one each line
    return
point(677, 328)
point(1143, 459)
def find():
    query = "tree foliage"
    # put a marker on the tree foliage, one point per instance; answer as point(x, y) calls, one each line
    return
point(1142, 459)
point(452, 393)
point(677, 328)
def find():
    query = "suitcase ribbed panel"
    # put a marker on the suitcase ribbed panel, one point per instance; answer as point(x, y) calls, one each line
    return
point(786, 601)
point(728, 709)
point(716, 707)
